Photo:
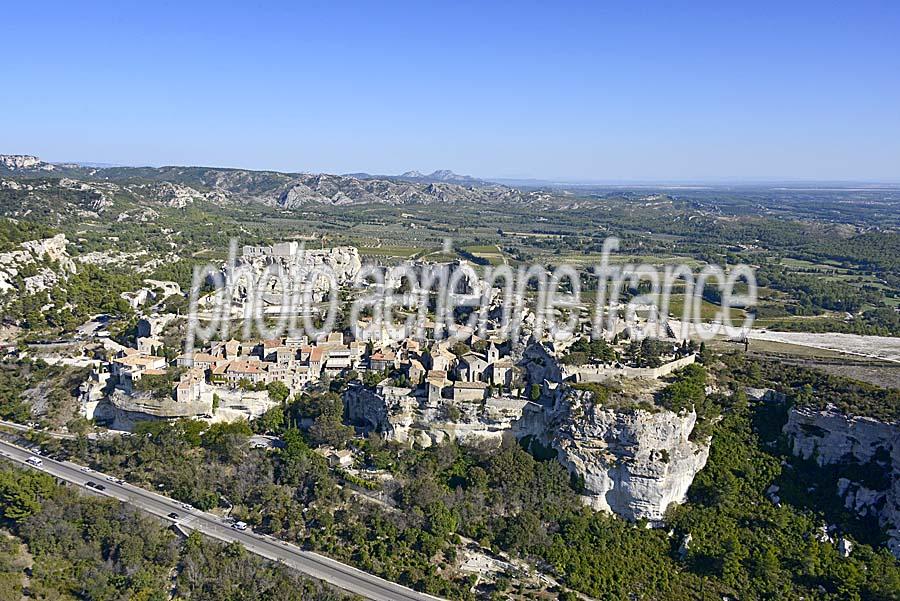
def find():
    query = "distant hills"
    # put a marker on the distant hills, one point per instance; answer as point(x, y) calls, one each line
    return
point(440, 176)
point(177, 186)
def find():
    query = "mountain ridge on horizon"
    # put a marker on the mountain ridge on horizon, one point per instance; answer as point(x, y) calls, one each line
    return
point(29, 162)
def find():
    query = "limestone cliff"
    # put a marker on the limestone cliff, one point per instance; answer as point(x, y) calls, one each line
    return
point(402, 415)
point(634, 462)
point(286, 265)
point(16, 162)
point(831, 437)
point(41, 263)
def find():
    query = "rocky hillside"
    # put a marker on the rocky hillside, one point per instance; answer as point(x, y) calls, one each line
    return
point(444, 176)
point(867, 450)
point(23, 162)
point(178, 186)
point(339, 190)
point(35, 266)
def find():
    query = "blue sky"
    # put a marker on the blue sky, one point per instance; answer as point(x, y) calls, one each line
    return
point(601, 91)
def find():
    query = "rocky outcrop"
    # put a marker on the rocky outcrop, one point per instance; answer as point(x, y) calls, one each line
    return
point(168, 193)
point(101, 194)
point(45, 262)
point(402, 415)
point(634, 462)
point(830, 437)
point(154, 291)
point(287, 266)
point(16, 162)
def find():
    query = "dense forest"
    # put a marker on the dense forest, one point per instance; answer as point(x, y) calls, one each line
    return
point(81, 547)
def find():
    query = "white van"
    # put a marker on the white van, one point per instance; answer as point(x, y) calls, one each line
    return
point(35, 461)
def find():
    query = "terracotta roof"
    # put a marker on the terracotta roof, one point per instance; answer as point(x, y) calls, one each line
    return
point(221, 368)
point(244, 367)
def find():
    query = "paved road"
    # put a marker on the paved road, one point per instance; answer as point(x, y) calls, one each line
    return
point(314, 565)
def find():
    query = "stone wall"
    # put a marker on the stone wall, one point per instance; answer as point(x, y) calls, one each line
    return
point(594, 373)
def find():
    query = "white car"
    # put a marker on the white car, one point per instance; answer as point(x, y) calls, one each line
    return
point(239, 526)
point(86, 469)
point(187, 507)
point(111, 478)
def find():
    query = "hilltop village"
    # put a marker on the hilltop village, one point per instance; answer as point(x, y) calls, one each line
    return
point(476, 389)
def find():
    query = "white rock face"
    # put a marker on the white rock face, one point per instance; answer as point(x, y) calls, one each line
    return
point(31, 252)
point(831, 437)
point(635, 463)
point(168, 193)
point(401, 415)
point(23, 161)
point(285, 265)
point(155, 290)
point(103, 190)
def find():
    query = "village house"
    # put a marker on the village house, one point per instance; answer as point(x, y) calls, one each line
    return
point(239, 370)
point(383, 360)
point(471, 367)
point(435, 382)
point(502, 372)
point(340, 459)
point(285, 355)
point(468, 392)
point(191, 386)
point(128, 369)
point(317, 358)
point(201, 360)
point(441, 358)
point(148, 345)
point(415, 371)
